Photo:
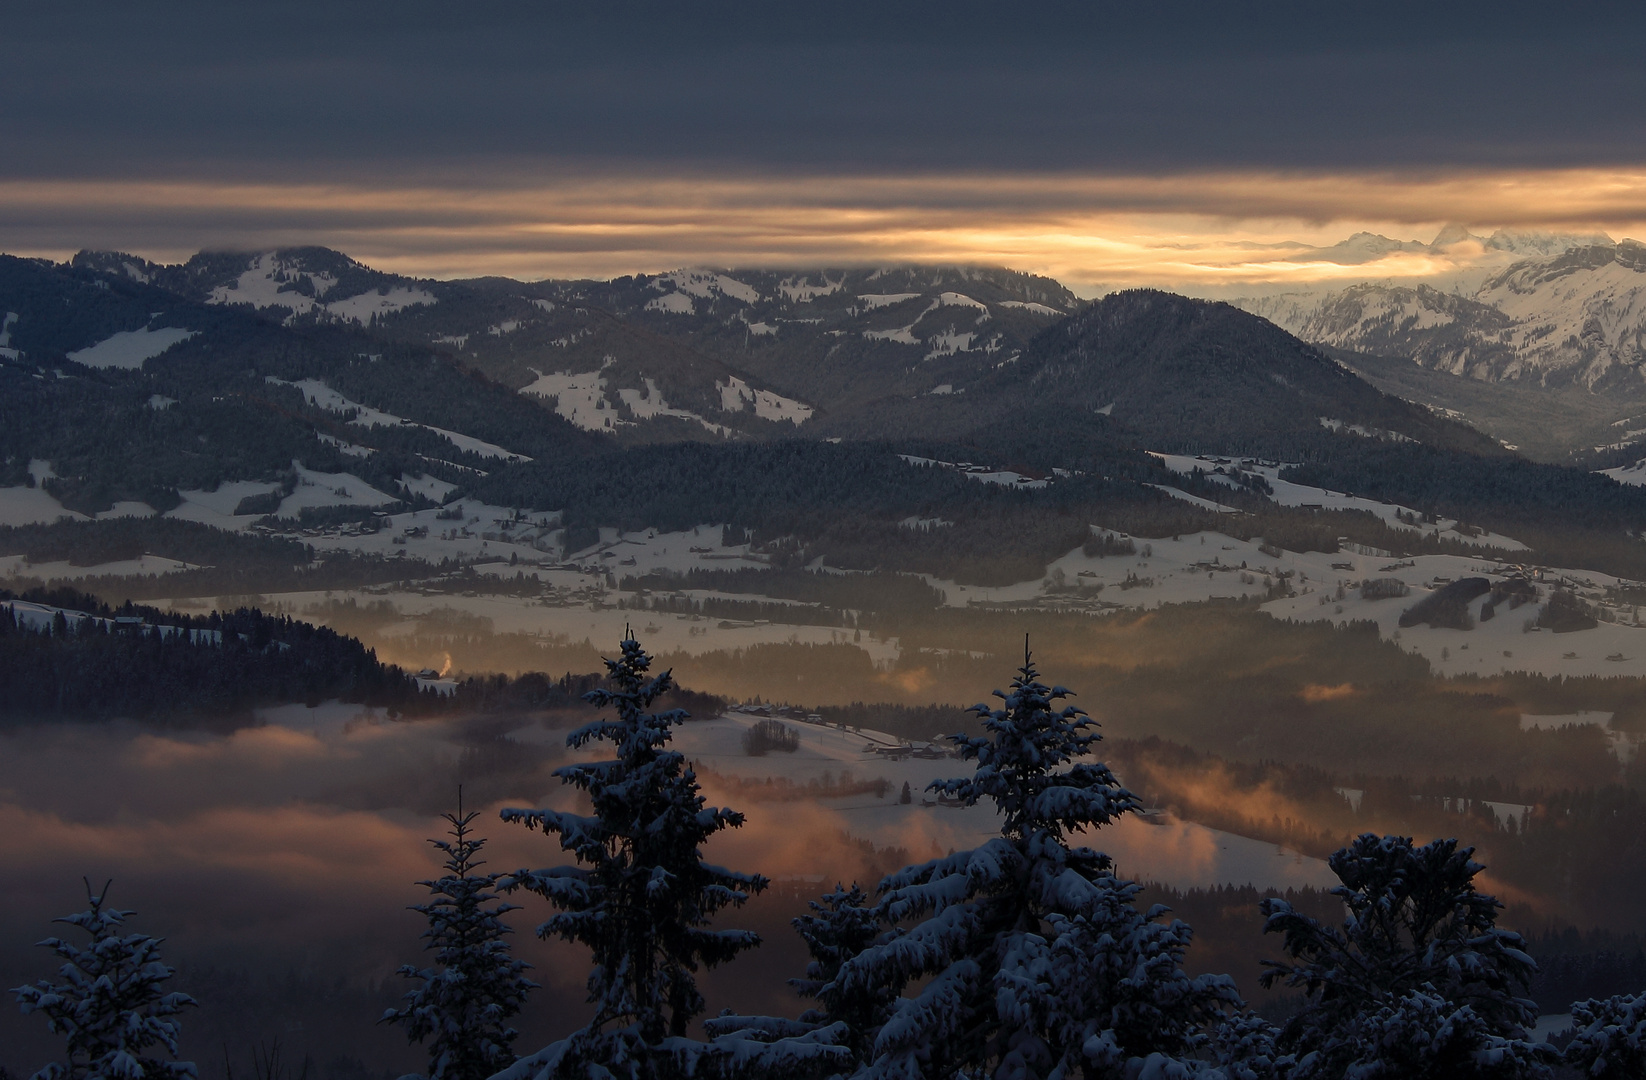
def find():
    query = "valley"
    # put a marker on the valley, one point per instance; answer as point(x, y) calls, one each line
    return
point(1307, 586)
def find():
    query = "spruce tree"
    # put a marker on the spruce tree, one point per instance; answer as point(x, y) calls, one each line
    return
point(1418, 983)
point(640, 899)
point(109, 1006)
point(842, 925)
point(1036, 960)
point(464, 1003)
point(1609, 1037)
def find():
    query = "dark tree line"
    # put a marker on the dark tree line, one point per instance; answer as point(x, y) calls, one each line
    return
point(201, 668)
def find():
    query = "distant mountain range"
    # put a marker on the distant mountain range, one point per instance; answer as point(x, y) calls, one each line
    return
point(1576, 316)
point(300, 381)
point(692, 355)
point(1557, 321)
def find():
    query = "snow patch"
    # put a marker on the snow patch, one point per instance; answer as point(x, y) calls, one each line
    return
point(324, 397)
point(735, 393)
point(903, 335)
point(880, 300)
point(5, 335)
point(949, 343)
point(801, 291)
point(1024, 305)
point(430, 487)
point(316, 489)
point(706, 284)
point(32, 506)
point(983, 474)
point(130, 348)
point(369, 306)
point(1364, 432)
point(1632, 475)
point(675, 303)
point(345, 447)
point(1286, 493)
point(216, 508)
point(160, 402)
point(578, 396)
point(954, 299)
point(1204, 504)
point(649, 404)
point(266, 283)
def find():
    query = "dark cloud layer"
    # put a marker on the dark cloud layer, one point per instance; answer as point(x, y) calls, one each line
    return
point(296, 89)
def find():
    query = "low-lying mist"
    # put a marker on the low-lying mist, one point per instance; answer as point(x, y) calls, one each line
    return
point(278, 862)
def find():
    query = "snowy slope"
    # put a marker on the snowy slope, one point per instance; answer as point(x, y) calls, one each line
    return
point(286, 280)
point(326, 398)
point(1567, 309)
point(129, 348)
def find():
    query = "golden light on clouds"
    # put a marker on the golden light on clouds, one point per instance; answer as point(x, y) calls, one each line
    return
point(1199, 231)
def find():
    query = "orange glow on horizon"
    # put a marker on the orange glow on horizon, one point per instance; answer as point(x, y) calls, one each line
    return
point(1207, 232)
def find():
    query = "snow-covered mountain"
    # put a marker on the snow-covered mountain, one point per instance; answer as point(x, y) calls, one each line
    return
point(1565, 310)
point(302, 284)
point(733, 351)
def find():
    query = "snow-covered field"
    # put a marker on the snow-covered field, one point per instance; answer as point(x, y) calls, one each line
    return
point(1634, 475)
point(129, 348)
point(143, 565)
point(216, 508)
point(317, 489)
point(21, 505)
point(1191, 568)
point(578, 396)
point(1505, 643)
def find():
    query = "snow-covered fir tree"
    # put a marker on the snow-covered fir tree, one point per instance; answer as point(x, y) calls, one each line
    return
point(463, 1005)
point(1037, 961)
point(1418, 983)
point(640, 898)
point(1609, 1037)
point(842, 925)
point(116, 1020)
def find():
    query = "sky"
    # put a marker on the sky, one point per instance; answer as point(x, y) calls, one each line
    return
point(1101, 143)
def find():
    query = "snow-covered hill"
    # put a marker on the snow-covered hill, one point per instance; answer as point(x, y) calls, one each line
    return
point(305, 283)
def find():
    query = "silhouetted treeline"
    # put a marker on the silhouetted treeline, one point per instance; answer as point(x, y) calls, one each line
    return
point(82, 667)
point(97, 668)
point(875, 591)
point(90, 543)
point(535, 691)
point(719, 607)
point(912, 722)
point(1573, 966)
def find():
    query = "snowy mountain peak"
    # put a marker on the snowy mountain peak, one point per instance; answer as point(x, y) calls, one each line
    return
point(1544, 244)
point(1453, 233)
